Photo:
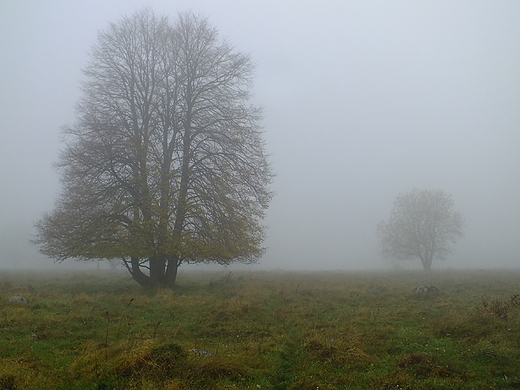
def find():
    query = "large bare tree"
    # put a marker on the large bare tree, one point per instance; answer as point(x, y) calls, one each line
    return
point(422, 225)
point(166, 163)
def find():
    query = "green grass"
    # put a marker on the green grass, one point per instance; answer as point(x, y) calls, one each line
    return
point(266, 330)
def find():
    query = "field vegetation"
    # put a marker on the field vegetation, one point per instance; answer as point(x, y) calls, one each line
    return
point(261, 330)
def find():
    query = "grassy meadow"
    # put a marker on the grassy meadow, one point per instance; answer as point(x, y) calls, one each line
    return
point(261, 330)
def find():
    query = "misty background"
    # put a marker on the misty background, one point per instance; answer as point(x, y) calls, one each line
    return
point(363, 100)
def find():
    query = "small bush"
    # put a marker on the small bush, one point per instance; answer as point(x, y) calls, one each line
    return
point(501, 308)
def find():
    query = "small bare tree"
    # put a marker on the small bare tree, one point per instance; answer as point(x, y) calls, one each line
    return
point(166, 163)
point(422, 225)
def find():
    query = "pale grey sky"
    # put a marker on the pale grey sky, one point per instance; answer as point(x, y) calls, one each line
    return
point(363, 100)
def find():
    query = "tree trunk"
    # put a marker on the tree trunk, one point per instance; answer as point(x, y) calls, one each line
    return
point(427, 263)
point(171, 272)
point(136, 272)
point(163, 271)
point(157, 271)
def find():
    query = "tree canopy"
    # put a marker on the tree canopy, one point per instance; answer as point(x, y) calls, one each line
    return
point(422, 225)
point(166, 163)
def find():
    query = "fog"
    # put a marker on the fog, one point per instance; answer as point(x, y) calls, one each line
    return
point(363, 100)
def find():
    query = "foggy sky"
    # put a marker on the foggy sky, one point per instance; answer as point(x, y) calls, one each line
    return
point(363, 100)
